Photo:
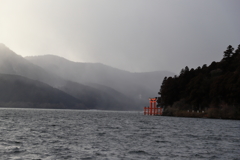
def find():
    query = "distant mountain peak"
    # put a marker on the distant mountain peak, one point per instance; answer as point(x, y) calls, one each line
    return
point(54, 59)
point(48, 57)
point(4, 48)
point(7, 52)
point(2, 45)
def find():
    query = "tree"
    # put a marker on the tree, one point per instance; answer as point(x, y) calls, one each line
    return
point(216, 86)
point(237, 51)
point(186, 69)
point(182, 71)
point(228, 53)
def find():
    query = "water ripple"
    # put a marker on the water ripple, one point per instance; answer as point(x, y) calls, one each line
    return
point(73, 134)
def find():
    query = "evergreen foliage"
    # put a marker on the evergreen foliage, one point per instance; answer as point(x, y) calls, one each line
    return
point(207, 88)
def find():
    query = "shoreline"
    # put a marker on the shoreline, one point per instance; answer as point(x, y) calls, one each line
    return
point(211, 113)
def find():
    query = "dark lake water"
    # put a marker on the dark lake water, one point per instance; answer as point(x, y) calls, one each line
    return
point(74, 134)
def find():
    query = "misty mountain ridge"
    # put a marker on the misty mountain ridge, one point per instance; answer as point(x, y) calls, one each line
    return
point(13, 64)
point(131, 84)
point(51, 60)
point(96, 85)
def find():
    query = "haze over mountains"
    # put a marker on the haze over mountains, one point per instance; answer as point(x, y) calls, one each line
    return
point(86, 85)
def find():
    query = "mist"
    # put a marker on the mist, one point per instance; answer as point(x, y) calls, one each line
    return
point(55, 82)
point(136, 36)
point(113, 49)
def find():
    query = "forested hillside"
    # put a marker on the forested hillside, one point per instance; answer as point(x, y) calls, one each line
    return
point(213, 90)
point(20, 92)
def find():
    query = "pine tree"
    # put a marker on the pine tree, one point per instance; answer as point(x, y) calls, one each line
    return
point(237, 51)
point(228, 53)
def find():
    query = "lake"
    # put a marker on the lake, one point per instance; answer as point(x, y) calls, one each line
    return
point(114, 135)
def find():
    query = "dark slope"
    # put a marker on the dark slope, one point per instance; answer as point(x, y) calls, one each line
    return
point(18, 91)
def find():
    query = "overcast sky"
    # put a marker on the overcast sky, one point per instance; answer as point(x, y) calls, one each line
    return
point(133, 35)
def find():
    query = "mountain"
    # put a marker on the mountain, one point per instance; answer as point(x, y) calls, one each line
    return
point(137, 86)
point(11, 63)
point(17, 91)
point(100, 97)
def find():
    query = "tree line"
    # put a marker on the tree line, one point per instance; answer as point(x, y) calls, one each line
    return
point(214, 88)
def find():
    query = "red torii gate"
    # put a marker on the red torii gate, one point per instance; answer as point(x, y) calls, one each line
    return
point(153, 109)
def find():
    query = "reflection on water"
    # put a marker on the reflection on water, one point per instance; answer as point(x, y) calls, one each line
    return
point(75, 134)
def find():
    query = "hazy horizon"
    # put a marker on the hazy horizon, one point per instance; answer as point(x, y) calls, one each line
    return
point(136, 36)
